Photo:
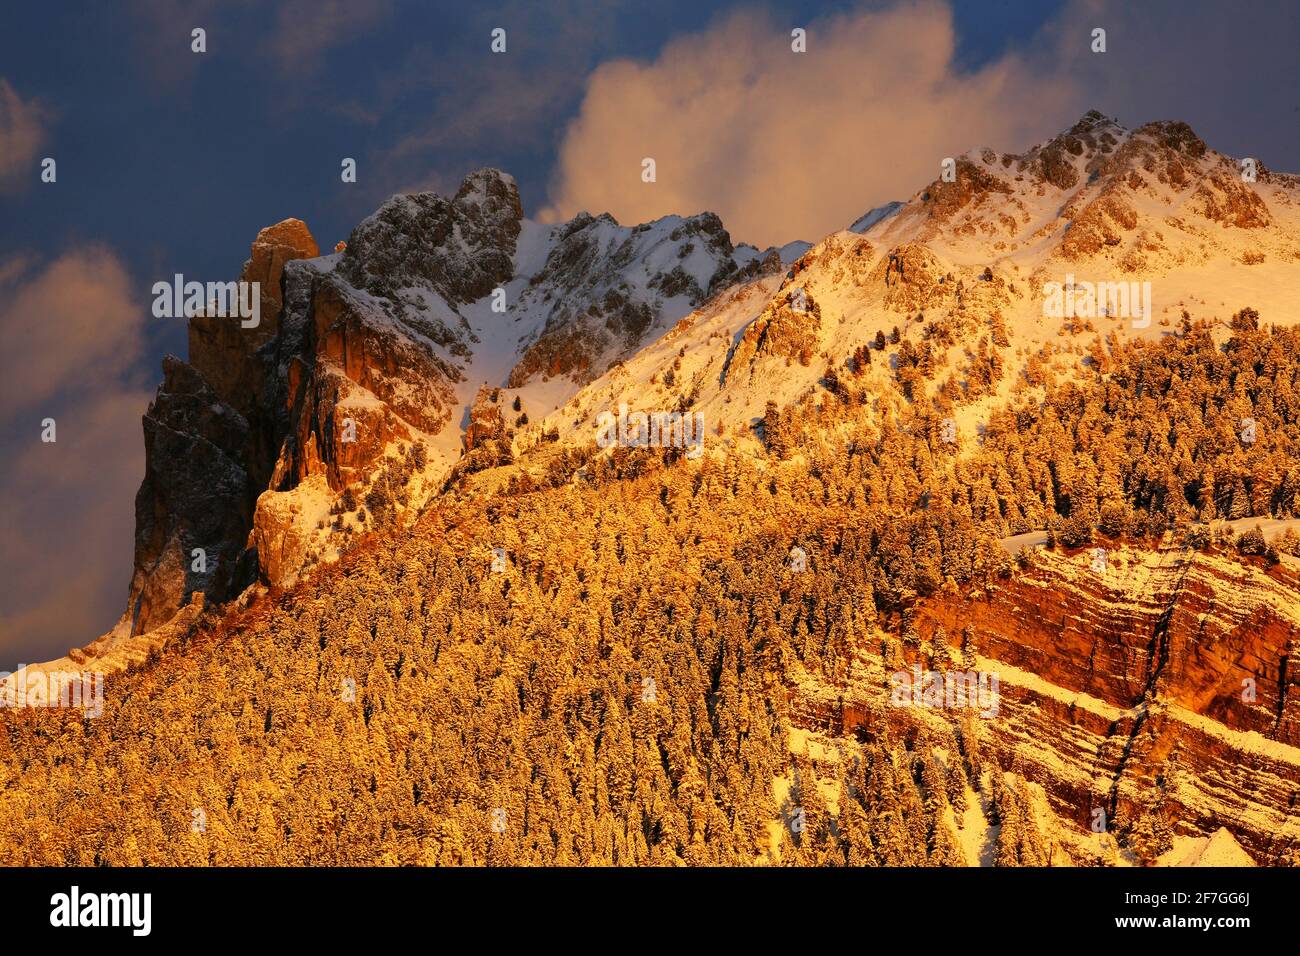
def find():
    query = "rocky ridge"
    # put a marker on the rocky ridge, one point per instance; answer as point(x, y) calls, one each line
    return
point(365, 381)
point(963, 266)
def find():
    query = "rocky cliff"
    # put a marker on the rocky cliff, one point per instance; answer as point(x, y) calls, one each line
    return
point(1164, 682)
point(212, 435)
point(345, 407)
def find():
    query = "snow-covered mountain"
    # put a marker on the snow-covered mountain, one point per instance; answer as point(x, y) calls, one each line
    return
point(455, 325)
point(453, 346)
point(962, 268)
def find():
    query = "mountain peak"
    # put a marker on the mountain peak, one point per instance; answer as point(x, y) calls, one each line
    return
point(1091, 120)
point(461, 247)
point(291, 234)
point(485, 178)
point(494, 189)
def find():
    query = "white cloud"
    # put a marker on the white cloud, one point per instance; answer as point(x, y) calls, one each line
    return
point(788, 145)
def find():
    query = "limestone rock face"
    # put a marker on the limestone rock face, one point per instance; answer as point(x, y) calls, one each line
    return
point(786, 329)
point(1227, 200)
point(1167, 675)
point(356, 377)
point(280, 535)
point(606, 288)
point(355, 356)
point(1186, 628)
point(219, 347)
point(459, 248)
point(193, 497)
point(913, 278)
point(275, 247)
point(486, 422)
point(972, 186)
point(211, 438)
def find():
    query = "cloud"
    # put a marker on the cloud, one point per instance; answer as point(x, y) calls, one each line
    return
point(73, 340)
point(787, 145)
point(73, 326)
point(69, 532)
point(22, 133)
point(307, 29)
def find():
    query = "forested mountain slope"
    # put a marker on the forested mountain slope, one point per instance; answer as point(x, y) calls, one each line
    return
point(644, 673)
